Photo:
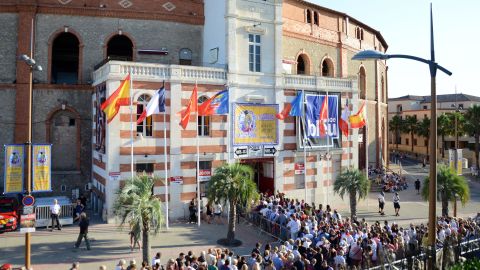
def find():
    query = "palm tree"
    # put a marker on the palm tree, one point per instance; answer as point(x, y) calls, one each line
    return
point(423, 129)
point(352, 182)
point(472, 126)
point(457, 119)
point(444, 127)
point(137, 205)
point(410, 126)
point(449, 185)
point(232, 184)
point(395, 126)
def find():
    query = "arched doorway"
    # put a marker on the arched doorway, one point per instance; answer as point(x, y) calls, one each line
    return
point(303, 65)
point(65, 59)
point(120, 47)
point(327, 68)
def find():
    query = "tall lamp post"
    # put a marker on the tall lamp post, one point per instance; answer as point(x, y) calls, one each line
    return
point(433, 66)
point(33, 67)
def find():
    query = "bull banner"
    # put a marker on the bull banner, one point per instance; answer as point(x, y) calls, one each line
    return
point(310, 123)
point(451, 158)
point(13, 171)
point(41, 167)
point(255, 124)
point(459, 161)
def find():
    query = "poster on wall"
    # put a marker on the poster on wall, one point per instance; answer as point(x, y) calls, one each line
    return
point(310, 123)
point(451, 158)
point(100, 120)
point(13, 170)
point(41, 167)
point(254, 124)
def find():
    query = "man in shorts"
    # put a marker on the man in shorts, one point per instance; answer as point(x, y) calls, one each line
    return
point(217, 213)
point(381, 203)
point(396, 204)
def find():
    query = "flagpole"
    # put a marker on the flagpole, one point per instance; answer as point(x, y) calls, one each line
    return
point(228, 127)
point(328, 147)
point(198, 160)
point(131, 124)
point(305, 128)
point(165, 155)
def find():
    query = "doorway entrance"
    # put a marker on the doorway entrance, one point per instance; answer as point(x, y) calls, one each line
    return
point(264, 174)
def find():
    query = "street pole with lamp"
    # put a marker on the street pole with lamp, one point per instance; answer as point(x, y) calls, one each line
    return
point(33, 67)
point(433, 66)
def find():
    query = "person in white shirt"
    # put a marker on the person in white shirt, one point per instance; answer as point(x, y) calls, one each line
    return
point(339, 260)
point(396, 203)
point(381, 203)
point(217, 212)
point(121, 265)
point(294, 226)
point(156, 259)
point(54, 214)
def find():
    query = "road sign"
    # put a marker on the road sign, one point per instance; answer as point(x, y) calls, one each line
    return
point(176, 180)
point(299, 168)
point(255, 151)
point(28, 210)
point(240, 151)
point(28, 200)
point(269, 151)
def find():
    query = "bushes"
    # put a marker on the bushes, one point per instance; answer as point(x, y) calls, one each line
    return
point(472, 264)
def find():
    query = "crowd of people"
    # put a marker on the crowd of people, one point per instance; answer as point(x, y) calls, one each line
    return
point(389, 181)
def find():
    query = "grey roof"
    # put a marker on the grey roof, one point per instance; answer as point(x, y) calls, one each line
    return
point(440, 98)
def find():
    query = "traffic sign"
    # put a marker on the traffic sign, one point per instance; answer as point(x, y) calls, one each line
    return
point(255, 151)
point(28, 200)
point(269, 151)
point(28, 210)
point(240, 151)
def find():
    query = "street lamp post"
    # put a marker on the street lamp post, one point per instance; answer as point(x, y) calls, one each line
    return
point(433, 66)
point(33, 67)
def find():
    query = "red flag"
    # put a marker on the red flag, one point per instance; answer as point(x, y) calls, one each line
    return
point(191, 107)
point(323, 117)
point(285, 112)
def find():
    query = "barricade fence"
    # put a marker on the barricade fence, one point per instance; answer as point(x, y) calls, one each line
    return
point(43, 218)
point(274, 229)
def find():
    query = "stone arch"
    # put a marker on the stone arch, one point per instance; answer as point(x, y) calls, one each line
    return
point(63, 128)
point(50, 44)
point(362, 82)
point(120, 47)
point(303, 63)
point(327, 68)
point(112, 35)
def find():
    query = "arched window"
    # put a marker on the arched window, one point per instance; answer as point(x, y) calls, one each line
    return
point(64, 138)
point(362, 82)
point(361, 34)
point(309, 16)
point(303, 65)
point(120, 47)
point(146, 127)
point(315, 18)
point(185, 57)
point(327, 68)
point(65, 59)
point(203, 121)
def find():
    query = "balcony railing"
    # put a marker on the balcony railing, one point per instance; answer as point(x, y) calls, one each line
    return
point(311, 82)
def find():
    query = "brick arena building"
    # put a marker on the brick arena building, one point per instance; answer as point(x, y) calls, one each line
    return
point(263, 51)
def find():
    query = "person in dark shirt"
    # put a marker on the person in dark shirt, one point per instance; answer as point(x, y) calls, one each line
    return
point(84, 222)
point(299, 264)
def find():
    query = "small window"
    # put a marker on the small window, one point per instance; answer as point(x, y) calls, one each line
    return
point(203, 121)
point(425, 107)
point(315, 18)
point(146, 127)
point(71, 122)
point(425, 142)
point(254, 53)
point(399, 108)
point(144, 167)
point(309, 16)
point(406, 142)
point(185, 57)
point(63, 188)
point(415, 142)
point(460, 106)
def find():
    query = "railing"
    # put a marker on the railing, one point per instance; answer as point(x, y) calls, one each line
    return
point(270, 227)
point(43, 218)
point(311, 82)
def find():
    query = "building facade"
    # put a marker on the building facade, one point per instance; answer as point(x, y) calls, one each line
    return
point(264, 52)
point(419, 107)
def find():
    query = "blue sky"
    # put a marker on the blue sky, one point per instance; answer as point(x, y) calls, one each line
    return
point(405, 25)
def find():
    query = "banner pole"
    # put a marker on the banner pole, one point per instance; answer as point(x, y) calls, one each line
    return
point(165, 154)
point(305, 128)
point(131, 124)
point(198, 160)
point(327, 155)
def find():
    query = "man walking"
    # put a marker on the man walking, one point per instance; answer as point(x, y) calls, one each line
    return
point(396, 204)
point(381, 203)
point(417, 186)
point(84, 222)
point(54, 213)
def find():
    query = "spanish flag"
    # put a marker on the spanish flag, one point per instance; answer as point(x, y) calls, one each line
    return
point(121, 97)
point(191, 107)
point(358, 120)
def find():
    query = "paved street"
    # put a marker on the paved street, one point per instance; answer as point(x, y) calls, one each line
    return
point(54, 250)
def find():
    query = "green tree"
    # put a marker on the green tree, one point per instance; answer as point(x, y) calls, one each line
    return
point(136, 205)
point(395, 126)
point(472, 127)
point(354, 183)
point(449, 184)
point(232, 184)
point(458, 120)
point(409, 126)
point(423, 129)
point(444, 128)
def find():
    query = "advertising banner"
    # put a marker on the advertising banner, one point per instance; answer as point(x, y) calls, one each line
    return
point(41, 167)
point(255, 124)
point(311, 122)
point(13, 170)
point(27, 223)
point(299, 168)
point(451, 158)
point(459, 161)
point(204, 175)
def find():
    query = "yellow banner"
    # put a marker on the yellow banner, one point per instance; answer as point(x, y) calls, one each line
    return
point(41, 164)
point(255, 124)
point(14, 155)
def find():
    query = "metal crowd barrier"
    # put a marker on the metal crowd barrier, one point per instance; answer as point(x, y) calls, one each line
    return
point(270, 227)
point(43, 218)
